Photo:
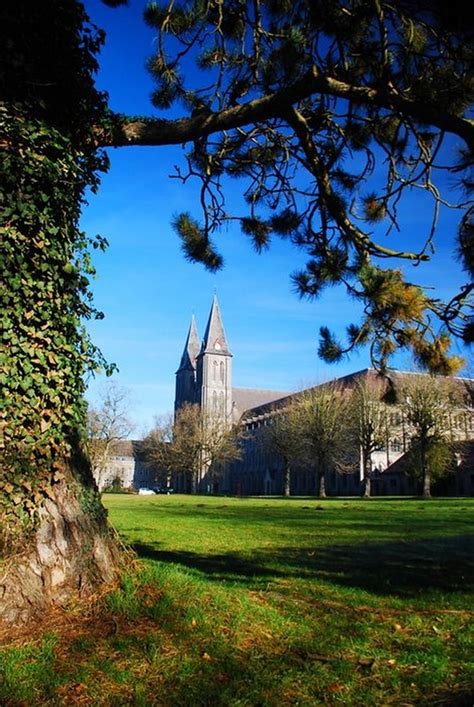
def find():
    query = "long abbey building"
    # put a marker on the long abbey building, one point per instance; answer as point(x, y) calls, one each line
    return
point(204, 377)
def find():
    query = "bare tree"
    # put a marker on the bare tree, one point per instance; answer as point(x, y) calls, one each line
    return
point(156, 450)
point(322, 417)
point(427, 403)
point(201, 444)
point(367, 425)
point(282, 436)
point(107, 424)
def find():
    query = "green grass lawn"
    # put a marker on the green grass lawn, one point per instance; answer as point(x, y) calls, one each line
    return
point(270, 602)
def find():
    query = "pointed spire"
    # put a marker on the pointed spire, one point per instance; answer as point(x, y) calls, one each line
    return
point(191, 348)
point(214, 338)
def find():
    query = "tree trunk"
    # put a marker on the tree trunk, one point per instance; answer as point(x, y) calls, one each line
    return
point(71, 552)
point(193, 483)
point(426, 475)
point(426, 493)
point(322, 485)
point(367, 487)
point(286, 480)
point(366, 490)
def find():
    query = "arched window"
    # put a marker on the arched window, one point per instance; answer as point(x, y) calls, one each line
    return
point(396, 445)
point(222, 372)
point(221, 402)
point(214, 401)
point(214, 370)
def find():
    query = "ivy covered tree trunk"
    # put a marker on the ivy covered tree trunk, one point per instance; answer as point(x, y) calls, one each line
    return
point(54, 538)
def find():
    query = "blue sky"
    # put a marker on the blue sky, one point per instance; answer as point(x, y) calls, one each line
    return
point(147, 289)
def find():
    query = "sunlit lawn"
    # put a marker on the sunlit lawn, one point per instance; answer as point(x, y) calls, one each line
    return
point(271, 602)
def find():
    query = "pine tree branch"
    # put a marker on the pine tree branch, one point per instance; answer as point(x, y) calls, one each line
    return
point(127, 130)
point(360, 239)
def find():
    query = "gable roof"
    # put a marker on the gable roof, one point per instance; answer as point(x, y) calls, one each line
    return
point(245, 399)
point(131, 448)
point(394, 380)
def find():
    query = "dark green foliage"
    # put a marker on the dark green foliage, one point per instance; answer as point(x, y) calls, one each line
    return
point(116, 486)
point(383, 79)
point(258, 230)
point(329, 349)
point(196, 245)
point(466, 242)
point(439, 458)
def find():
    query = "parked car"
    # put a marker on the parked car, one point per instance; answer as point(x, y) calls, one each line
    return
point(146, 492)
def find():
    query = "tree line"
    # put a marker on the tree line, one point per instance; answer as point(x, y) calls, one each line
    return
point(328, 428)
point(334, 428)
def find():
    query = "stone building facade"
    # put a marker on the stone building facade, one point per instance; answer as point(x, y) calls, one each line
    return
point(125, 466)
point(261, 472)
point(204, 377)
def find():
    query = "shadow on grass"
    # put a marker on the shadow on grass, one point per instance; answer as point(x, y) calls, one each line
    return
point(404, 568)
point(224, 567)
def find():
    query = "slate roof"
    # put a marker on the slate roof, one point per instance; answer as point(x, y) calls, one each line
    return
point(214, 337)
point(191, 348)
point(245, 399)
point(394, 379)
point(126, 448)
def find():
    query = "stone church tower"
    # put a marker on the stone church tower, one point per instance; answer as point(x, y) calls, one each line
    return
point(214, 368)
point(205, 373)
point(186, 374)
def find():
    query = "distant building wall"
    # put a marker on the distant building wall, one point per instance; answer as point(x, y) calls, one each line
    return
point(260, 471)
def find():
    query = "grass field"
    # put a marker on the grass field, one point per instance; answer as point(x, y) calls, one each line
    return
point(269, 602)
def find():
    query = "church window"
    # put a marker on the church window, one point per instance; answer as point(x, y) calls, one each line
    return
point(396, 445)
point(214, 370)
point(221, 402)
point(214, 401)
point(222, 372)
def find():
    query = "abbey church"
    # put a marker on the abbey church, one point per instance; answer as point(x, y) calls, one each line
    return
point(204, 377)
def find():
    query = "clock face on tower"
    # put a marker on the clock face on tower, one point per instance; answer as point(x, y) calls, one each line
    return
point(217, 345)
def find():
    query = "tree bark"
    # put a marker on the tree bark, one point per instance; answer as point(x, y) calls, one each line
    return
point(150, 131)
point(426, 475)
point(426, 493)
point(366, 487)
point(287, 480)
point(322, 485)
point(193, 483)
point(70, 553)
